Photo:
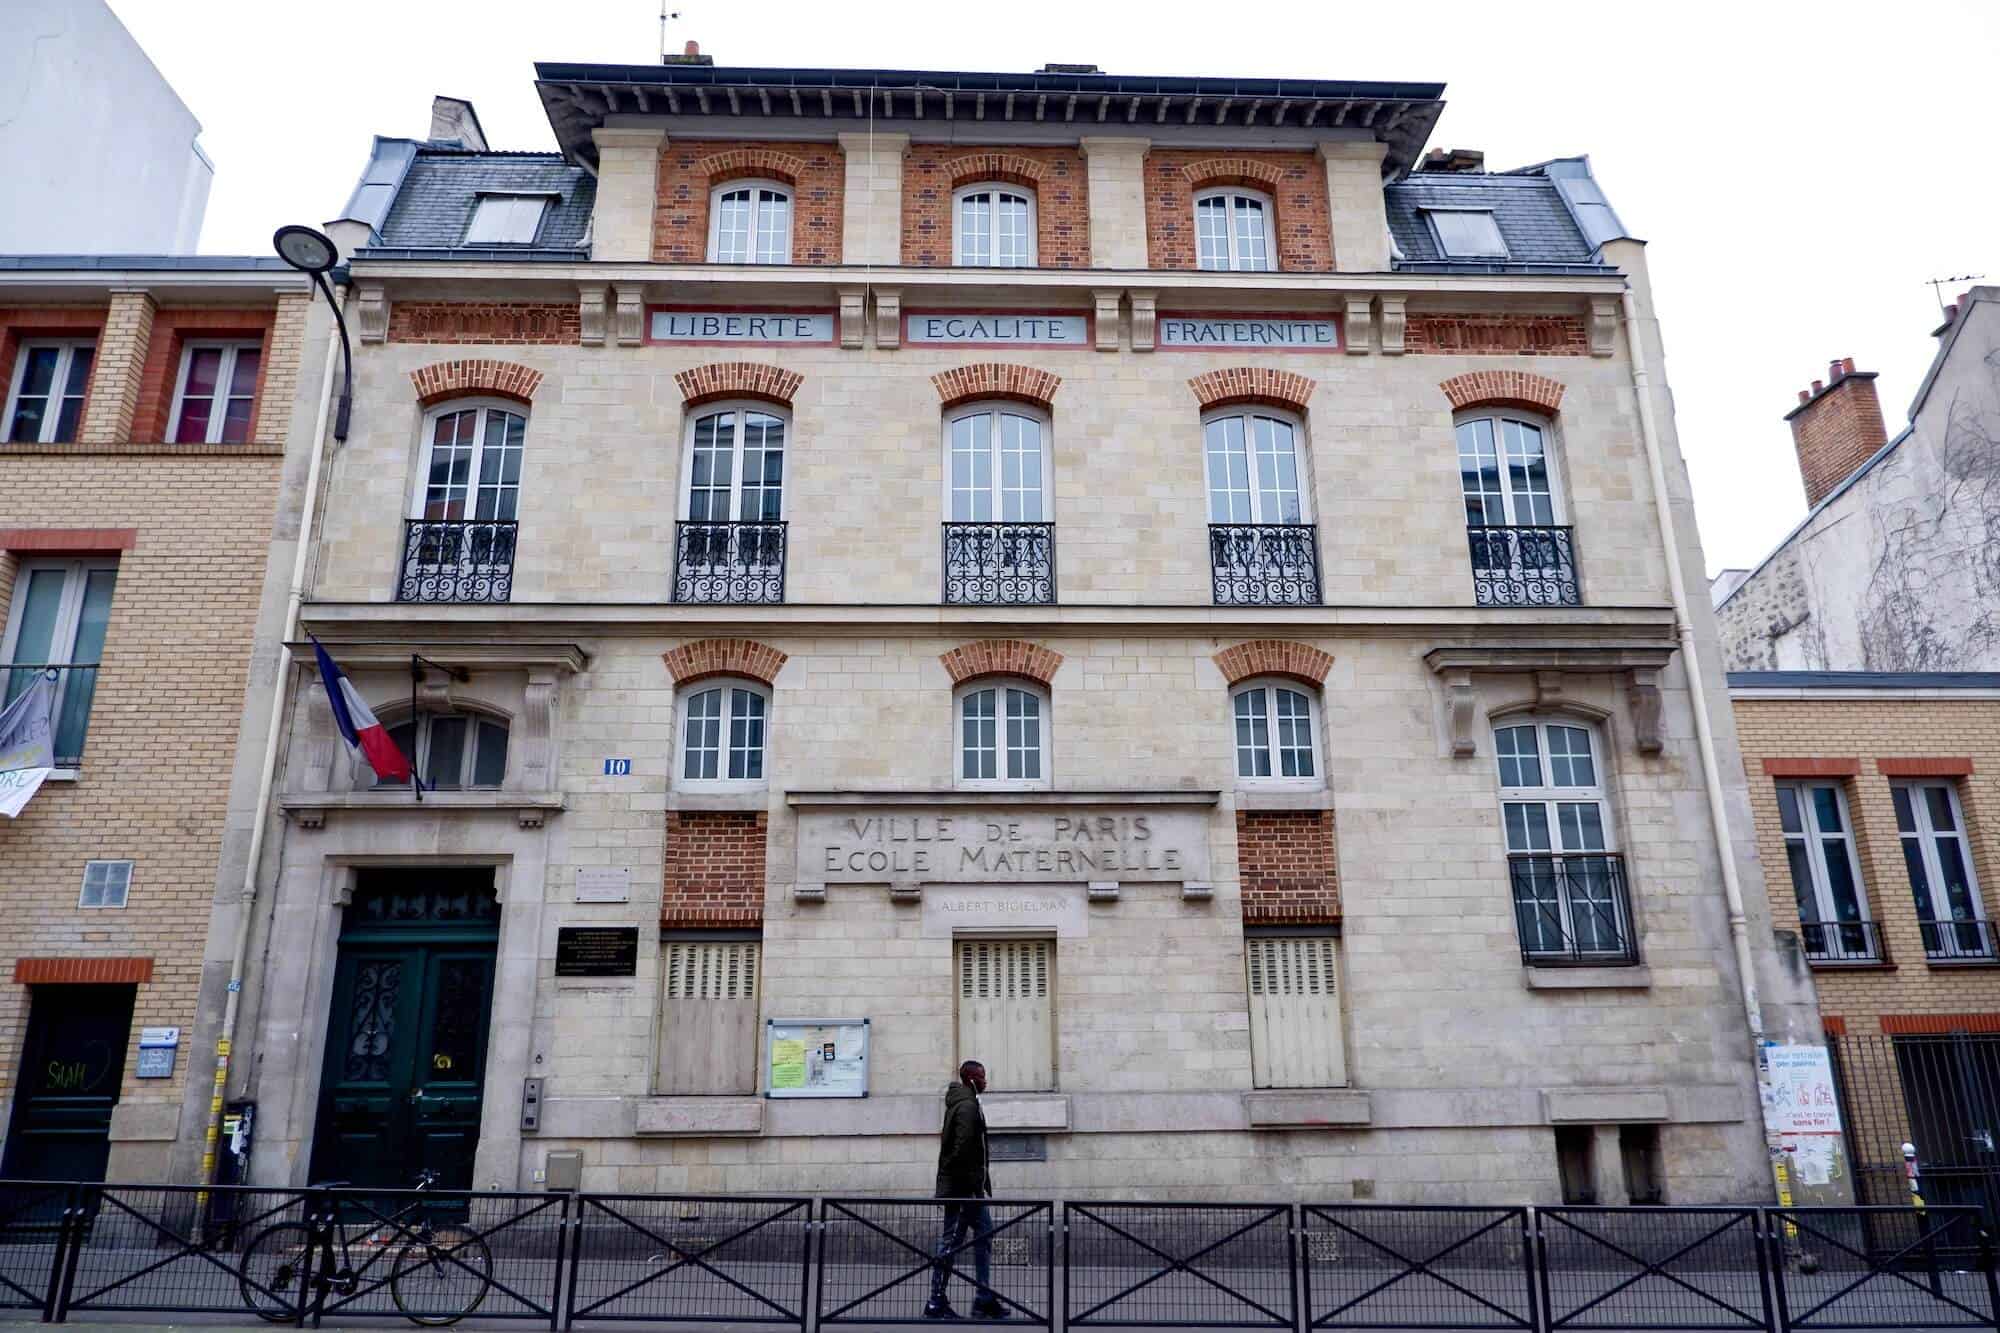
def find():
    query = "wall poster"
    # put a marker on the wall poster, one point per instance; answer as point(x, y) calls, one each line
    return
point(816, 1057)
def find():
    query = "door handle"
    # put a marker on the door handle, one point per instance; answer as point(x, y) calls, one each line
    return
point(416, 1096)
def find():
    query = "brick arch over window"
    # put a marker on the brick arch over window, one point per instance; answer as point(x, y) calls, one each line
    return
point(1001, 657)
point(455, 379)
point(1252, 384)
point(724, 657)
point(1274, 657)
point(738, 379)
point(1248, 171)
point(749, 163)
point(996, 379)
point(1010, 167)
point(1503, 388)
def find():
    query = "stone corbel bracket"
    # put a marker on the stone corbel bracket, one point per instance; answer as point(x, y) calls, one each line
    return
point(1551, 665)
point(371, 312)
point(630, 313)
point(591, 313)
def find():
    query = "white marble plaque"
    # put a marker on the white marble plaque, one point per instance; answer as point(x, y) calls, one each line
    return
point(603, 884)
point(1281, 332)
point(982, 329)
point(740, 326)
point(1035, 907)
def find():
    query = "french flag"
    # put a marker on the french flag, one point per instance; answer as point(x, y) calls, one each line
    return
point(357, 722)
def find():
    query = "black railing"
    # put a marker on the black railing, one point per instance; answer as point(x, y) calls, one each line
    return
point(1937, 1091)
point(1199, 1264)
point(457, 560)
point(1000, 564)
point(1436, 1267)
point(739, 564)
point(1638, 1268)
point(1523, 566)
point(1265, 564)
point(1854, 943)
point(75, 687)
point(1572, 908)
point(1958, 941)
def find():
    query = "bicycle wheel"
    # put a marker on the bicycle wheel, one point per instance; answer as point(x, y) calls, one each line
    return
point(274, 1265)
point(442, 1277)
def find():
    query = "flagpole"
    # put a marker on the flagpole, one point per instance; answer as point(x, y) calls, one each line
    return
point(416, 679)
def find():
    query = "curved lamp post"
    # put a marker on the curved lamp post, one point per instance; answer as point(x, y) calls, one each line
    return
point(314, 252)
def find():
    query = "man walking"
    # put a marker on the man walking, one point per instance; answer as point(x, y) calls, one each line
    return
point(962, 1178)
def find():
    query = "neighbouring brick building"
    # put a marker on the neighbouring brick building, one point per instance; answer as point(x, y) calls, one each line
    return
point(149, 463)
point(1141, 581)
point(1869, 711)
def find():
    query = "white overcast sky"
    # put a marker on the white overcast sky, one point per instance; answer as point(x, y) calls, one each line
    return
point(1800, 169)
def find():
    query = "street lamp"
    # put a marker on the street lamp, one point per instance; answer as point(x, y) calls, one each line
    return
point(314, 252)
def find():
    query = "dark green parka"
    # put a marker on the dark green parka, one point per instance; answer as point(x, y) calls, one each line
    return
point(962, 1172)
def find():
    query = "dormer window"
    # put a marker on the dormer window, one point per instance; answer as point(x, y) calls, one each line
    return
point(1467, 233)
point(507, 219)
point(995, 228)
point(750, 222)
point(1232, 230)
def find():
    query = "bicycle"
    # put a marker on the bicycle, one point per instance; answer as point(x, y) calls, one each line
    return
point(440, 1274)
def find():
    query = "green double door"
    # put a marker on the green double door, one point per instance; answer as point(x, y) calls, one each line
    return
point(406, 1033)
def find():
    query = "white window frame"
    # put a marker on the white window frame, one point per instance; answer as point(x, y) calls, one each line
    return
point(1001, 685)
point(68, 347)
point(1301, 452)
point(1550, 796)
point(993, 409)
point(1268, 687)
point(420, 752)
point(739, 406)
point(992, 260)
point(683, 705)
point(515, 204)
point(1238, 261)
point(484, 407)
point(225, 376)
point(1927, 837)
point(1438, 238)
point(1510, 504)
point(76, 580)
point(715, 197)
point(1813, 840)
point(122, 871)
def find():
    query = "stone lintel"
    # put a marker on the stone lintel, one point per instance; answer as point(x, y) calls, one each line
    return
point(1021, 1111)
point(1586, 978)
point(1329, 1108)
point(699, 1116)
point(1605, 1106)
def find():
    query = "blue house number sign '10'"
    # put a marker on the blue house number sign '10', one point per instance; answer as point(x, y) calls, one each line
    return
point(618, 768)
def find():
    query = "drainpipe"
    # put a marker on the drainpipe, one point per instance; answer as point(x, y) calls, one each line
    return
point(1711, 772)
point(247, 899)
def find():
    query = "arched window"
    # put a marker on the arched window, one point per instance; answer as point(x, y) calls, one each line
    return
point(723, 728)
point(1568, 881)
point(1003, 735)
point(1232, 230)
point(471, 465)
point(750, 222)
point(994, 226)
point(736, 464)
point(454, 751)
point(996, 465)
point(1277, 732)
point(1254, 467)
point(1505, 472)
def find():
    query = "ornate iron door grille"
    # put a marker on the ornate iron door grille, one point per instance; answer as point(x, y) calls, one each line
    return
point(999, 564)
point(1265, 564)
point(1523, 566)
point(457, 560)
point(741, 564)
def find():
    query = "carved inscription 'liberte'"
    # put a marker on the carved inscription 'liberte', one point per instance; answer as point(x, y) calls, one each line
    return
point(1078, 846)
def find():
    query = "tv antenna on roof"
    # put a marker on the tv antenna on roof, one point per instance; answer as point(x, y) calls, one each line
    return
point(1937, 286)
point(665, 14)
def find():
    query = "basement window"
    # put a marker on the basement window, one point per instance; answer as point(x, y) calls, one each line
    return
point(1467, 233)
point(507, 219)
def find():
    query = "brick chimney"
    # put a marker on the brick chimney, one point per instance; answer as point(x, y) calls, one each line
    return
point(1836, 427)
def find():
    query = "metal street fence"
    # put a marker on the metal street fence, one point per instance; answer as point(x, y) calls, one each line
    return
point(71, 1251)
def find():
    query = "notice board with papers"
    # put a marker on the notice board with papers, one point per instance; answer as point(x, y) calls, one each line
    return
point(816, 1057)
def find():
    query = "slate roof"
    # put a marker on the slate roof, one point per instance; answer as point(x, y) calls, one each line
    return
point(435, 201)
point(1528, 208)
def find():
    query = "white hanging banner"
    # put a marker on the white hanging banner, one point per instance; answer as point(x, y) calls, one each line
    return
point(27, 744)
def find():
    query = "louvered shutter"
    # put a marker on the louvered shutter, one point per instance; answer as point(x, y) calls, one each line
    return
point(1006, 1016)
point(1295, 1036)
point(708, 1016)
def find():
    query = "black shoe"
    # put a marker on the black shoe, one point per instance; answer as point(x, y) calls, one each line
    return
point(989, 1307)
point(940, 1308)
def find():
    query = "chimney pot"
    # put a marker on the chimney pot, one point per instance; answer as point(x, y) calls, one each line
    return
point(1818, 385)
point(1847, 364)
point(1805, 395)
point(693, 48)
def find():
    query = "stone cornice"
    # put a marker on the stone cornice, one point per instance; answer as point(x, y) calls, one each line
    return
point(360, 654)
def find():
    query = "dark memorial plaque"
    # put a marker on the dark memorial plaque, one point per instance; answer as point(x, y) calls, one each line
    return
point(597, 951)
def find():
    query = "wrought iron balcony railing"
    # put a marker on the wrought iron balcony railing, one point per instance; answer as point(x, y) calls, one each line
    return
point(1000, 564)
point(1958, 941)
point(1523, 566)
point(1838, 942)
point(738, 564)
point(457, 560)
point(75, 685)
point(1265, 564)
point(1572, 909)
